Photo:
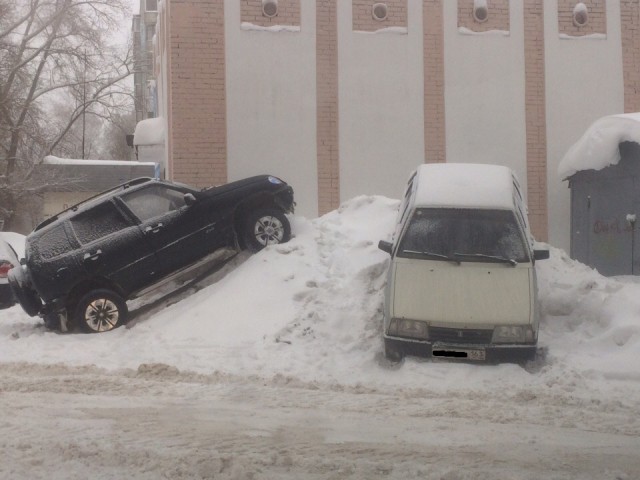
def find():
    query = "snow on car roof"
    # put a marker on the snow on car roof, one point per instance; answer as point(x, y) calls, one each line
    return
point(464, 185)
point(598, 146)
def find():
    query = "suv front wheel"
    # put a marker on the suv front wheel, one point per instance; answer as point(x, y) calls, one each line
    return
point(100, 311)
point(267, 226)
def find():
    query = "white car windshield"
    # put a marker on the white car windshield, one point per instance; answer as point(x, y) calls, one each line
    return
point(463, 235)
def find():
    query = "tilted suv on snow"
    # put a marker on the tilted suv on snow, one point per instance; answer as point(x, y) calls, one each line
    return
point(83, 264)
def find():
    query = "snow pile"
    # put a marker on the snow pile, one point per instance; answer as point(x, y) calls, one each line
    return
point(311, 311)
point(598, 147)
point(149, 132)
point(590, 320)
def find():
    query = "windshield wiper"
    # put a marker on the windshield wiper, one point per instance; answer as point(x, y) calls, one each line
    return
point(434, 255)
point(510, 261)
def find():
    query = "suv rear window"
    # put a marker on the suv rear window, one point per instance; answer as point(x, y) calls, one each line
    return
point(464, 234)
point(98, 222)
point(52, 243)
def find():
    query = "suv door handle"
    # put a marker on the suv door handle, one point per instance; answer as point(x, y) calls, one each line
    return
point(154, 229)
point(92, 256)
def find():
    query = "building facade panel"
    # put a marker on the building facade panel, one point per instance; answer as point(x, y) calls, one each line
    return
point(381, 111)
point(271, 102)
point(485, 92)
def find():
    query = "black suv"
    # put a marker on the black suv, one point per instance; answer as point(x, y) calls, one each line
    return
point(83, 264)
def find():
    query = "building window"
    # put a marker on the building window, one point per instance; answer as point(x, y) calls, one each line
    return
point(151, 6)
point(580, 15)
point(380, 11)
point(480, 11)
point(270, 8)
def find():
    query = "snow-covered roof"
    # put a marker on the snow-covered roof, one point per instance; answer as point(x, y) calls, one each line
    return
point(149, 132)
point(464, 185)
point(52, 160)
point(92, 175)
point(598, 147)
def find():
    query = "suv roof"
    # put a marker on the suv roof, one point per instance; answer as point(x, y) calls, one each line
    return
point(465, 185)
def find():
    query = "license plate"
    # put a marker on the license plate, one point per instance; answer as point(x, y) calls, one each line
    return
point(462, 354)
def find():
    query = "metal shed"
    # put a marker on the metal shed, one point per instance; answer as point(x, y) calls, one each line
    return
point(604, 207)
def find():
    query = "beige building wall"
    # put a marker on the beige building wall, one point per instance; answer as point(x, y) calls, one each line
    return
point(345, 103)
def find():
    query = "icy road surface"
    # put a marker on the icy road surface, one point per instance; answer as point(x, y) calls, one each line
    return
point(77, 423)
point(272, 368)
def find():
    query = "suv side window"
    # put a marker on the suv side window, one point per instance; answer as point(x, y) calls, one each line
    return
point(154, 201)
point(98, 222)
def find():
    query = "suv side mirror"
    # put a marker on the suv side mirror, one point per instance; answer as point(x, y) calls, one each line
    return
point(540, 254)
point(189, 199)
point(385, 246)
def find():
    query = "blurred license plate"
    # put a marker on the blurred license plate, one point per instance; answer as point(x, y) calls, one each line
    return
point(461, 353)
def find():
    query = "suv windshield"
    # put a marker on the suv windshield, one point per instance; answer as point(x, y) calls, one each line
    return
point(464, 235)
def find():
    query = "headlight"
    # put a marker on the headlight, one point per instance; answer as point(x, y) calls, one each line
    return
point(404, 327)
point(513, 334)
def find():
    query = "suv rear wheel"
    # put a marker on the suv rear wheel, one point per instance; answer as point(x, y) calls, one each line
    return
point(267, 226)
point(100, 311)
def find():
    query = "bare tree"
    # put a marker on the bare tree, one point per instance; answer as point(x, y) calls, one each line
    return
point(54, 52)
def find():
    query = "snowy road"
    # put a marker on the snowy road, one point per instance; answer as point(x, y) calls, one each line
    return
point(61, 422)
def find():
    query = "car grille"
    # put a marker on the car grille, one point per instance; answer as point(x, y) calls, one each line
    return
point(460, 335)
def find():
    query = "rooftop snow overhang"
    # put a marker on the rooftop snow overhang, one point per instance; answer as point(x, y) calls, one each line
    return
point(599, 146)
point(149, 132)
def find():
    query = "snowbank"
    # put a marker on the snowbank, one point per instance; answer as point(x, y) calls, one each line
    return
point(311, 311)
point(598, 147)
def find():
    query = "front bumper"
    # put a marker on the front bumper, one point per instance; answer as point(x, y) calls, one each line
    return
point(461, 352)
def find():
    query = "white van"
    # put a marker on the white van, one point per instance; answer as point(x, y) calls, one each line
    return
point(461, 281)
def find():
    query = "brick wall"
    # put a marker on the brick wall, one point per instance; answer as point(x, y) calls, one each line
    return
point(198, 143)
point(363, 20)
point(535, 113)
point(630, 20)
point(327, 105)
point(288, 13)
point(498, 18)
point(434, 113)
point(597, 22)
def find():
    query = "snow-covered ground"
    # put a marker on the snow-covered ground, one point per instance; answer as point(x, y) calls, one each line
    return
point(273, 368)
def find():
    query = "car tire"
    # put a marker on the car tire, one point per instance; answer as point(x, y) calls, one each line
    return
point(100, 310)
point(24, 294)
point(267, 226)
